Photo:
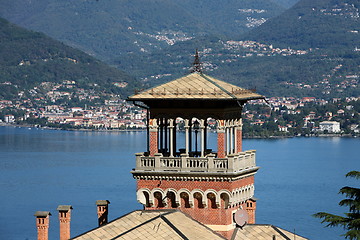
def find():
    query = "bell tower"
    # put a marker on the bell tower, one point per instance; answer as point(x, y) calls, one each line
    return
point(210, 185)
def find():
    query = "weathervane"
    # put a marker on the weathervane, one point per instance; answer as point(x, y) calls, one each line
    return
point(197, 64)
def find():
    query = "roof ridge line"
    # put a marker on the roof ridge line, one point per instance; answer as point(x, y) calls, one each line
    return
point(226, 91)
point(280, 232)
point(167, 221)
point(137, 226)
point(104, 224)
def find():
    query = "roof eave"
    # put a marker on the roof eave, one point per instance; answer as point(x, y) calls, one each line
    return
point(198, 99)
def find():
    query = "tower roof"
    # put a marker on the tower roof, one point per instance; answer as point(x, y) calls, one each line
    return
point(196, 86)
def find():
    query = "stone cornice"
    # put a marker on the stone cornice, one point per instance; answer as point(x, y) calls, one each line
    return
point(193, 176)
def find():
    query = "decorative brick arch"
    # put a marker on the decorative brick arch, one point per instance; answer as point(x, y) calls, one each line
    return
point(172, 198)
point(199, 198)
point(185, 192)
point(216, 200)
point(145, 197)
point(159, 196)
point(185, 203)
point(252, 190)
point(226, 199)
point(247, 192)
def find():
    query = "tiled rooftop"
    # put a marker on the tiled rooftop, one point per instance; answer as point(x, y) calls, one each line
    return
point(173, 224)
point(264, 232)
point(151, 225)
point(196, 86)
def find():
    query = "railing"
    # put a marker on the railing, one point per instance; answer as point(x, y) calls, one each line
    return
point(167, 162)
point(184, 163)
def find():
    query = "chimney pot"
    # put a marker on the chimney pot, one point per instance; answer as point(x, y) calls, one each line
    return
point(42, 224)
point(102, 211)
point(64, 219)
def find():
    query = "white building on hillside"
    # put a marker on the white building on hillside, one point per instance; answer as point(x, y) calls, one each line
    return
point(330, 126)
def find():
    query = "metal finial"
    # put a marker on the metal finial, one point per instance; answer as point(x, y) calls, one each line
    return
point(197, 64)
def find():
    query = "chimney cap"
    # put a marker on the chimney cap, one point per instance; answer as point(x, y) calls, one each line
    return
point(64, 207)
point(102, 202)
point(42, 214)
point(254, 199)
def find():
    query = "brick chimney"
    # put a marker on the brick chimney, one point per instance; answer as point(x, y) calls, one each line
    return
point(102, 211)
point(42, 224)
point(64, 219)
point(250, 209)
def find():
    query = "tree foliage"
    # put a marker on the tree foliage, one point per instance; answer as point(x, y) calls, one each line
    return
point(28, 58)
point(351, 221)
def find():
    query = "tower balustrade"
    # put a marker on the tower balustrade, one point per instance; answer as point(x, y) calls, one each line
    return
point(232, 163)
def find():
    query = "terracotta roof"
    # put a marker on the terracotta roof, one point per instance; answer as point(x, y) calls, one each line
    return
point(151, 225)
point(264, 232)
point(196, 86)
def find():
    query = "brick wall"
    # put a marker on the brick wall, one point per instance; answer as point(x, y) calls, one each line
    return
point(191, 185)
point(153, 142)
point(221, 144)
point(239, 140)
point(64, 219)
point(204, 214)
point(42, 225)
point(250, 209)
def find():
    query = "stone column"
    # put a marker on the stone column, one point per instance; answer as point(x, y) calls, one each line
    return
point(42, 224)
point(171, 128)
point(161, 134)
point(187, 136)
point(165, 137)
point(221, 139)
point(153, 136)
point(64, 219)
point(202, 130)
point(102, 211)
point(227, 134)
point(231, 127)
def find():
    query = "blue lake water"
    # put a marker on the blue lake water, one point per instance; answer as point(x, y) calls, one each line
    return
point(41, 169)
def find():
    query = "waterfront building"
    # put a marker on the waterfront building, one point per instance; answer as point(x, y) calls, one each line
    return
point(188, 190)
point(330, 126)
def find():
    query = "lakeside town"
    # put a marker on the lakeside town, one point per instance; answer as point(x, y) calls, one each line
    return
point(65, 106)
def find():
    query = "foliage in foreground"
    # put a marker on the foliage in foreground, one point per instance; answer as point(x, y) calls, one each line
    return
point(351, 221)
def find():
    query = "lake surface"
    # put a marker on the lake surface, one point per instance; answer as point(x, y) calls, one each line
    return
point(41, 169)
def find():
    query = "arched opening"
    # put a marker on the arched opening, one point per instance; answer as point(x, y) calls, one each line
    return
point(198, 200)
point(159, 200)
point(185, 201)
point(224, 200)
point(147, 199)
point(211, 200)
point(172, 199)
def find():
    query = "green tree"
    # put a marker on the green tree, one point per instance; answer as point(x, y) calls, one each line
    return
point(351, 220)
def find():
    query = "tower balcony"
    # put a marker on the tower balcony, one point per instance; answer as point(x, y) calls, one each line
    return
point(232, 163)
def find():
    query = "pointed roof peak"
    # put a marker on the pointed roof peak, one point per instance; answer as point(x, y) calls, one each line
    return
point(196, 64)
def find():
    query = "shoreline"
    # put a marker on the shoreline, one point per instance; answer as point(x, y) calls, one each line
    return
point(139, 130)
point(69, 129)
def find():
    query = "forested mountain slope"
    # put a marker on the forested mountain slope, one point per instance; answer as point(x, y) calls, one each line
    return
point(326, 24)
point(113, 28)
point(28, 59)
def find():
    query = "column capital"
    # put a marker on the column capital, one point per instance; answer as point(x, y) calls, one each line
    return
point(153, 124)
